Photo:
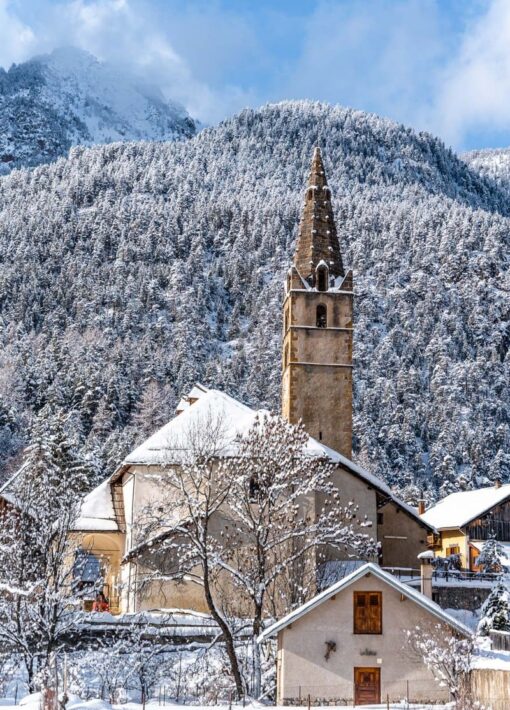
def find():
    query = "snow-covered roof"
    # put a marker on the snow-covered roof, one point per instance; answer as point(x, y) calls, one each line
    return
point(7, 490)
point(169, 443)
point(97, 512)
point(368, 568)
point(459, 509)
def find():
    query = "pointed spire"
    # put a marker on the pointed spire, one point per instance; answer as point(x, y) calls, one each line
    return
point(317, 239)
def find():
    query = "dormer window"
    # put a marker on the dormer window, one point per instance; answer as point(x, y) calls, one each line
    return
point(322, 276)
point(322, 316)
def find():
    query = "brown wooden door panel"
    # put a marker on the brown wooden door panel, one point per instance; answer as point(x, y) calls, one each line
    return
point(367, 686)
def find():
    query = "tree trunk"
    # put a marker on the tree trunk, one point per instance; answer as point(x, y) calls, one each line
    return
point(257, 669)
point(227, 634)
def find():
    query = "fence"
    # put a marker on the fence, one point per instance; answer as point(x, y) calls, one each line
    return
point(460, 575)
point(500, 640)
point(414, 693)
point(491, 687)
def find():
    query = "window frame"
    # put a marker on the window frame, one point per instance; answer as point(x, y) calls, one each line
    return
point(355, 625)
point(323, 309)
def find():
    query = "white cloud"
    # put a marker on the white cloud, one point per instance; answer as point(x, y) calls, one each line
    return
point(379, 55)
point(474, 91)
point(17, 40)
point(124, 32)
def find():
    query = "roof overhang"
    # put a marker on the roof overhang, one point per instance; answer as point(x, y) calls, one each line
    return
point(367, 569)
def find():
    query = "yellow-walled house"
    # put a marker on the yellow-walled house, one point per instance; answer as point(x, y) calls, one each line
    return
point(465, 520)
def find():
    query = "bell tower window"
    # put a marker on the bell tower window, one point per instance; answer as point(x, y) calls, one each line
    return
point(322, 316)
point(322, 277)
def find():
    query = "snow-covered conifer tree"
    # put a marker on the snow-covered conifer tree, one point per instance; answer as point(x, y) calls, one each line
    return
point(491, 555)
point(496, 610)
point(42, 501)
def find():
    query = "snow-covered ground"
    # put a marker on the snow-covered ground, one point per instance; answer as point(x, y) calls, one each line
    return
point(33, 702)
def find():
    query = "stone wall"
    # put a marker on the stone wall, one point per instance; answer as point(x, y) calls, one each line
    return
point(467, 597)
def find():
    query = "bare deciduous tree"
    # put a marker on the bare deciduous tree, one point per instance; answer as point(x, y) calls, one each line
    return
point(448, 656)
point(241, 517)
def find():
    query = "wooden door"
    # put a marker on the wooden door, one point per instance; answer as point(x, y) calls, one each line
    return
point(367, 686)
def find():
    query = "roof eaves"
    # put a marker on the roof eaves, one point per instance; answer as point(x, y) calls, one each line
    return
point(369, 567)
point(10, 480)
point(485, 510)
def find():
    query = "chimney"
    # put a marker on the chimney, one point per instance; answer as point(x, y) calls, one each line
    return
point(426, 572)
point(497, 483)
point(421, 506)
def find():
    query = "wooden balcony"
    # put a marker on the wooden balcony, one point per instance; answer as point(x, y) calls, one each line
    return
point(434, 540)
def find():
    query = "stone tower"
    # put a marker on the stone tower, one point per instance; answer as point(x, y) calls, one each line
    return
point(317, 316)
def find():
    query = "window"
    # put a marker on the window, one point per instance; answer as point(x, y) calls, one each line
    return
point(254, 490)
point(322, 278)
point(368, 612)
point(380, 518)
point(453, 550)
point(322, 316)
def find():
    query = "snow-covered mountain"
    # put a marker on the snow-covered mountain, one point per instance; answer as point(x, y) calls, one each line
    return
point(69, 97)
point(491, 163)
point(129, 271)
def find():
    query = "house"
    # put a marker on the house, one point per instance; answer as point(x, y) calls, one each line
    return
point(465, 520)
point(349, 644)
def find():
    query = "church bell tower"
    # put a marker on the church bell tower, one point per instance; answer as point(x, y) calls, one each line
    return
point(317, 316)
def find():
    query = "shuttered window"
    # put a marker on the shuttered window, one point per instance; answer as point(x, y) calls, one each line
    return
point(368, 612)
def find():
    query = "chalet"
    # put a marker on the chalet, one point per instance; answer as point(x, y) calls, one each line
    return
point(348, 645)
point(465, 520)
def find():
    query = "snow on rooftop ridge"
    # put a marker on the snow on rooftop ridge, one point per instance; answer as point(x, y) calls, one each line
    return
point(368, 568)
point(167, 445)
point(188, 399)
point(458, 509)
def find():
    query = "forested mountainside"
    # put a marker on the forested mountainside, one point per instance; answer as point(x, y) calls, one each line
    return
point(128, 271)
point(68, 97)
point(493, 164)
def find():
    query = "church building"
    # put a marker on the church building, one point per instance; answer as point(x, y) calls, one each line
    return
point(317, 374)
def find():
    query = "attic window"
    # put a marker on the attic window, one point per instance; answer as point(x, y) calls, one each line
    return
point(367, 612)
point(254, 490)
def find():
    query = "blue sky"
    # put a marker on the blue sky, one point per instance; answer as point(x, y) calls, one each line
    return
point(436, 65)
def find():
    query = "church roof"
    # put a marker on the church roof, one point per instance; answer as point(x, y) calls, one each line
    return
point(317, 239)
point(366, 569)
point(459, 509)
point(169, 444)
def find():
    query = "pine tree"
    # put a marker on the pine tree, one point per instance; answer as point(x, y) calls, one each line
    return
point(491, 555)
point(36, 606)
point(496, 610)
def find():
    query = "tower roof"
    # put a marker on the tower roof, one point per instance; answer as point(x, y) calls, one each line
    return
point(317, 239)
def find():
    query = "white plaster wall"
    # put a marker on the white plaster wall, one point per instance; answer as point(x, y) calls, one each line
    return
point(304, 669)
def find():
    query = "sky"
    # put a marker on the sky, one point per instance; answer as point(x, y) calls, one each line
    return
point(437, 65)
